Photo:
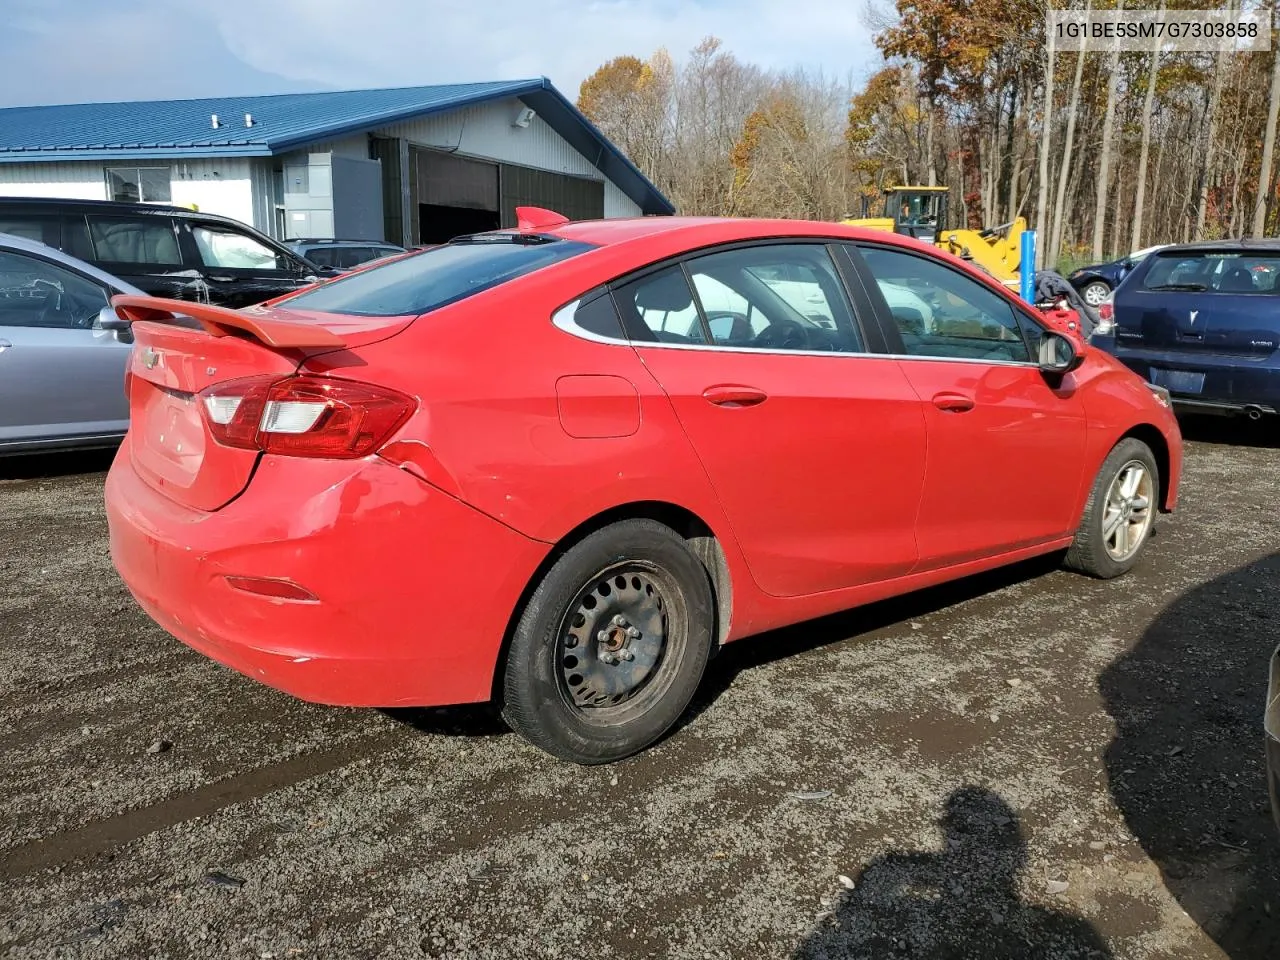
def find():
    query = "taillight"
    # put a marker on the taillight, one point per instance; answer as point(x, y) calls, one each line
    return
point(304, 416)
point(233, 410)
point(1106, 316)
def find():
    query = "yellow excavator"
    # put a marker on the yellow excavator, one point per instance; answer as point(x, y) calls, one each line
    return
point(919, 211)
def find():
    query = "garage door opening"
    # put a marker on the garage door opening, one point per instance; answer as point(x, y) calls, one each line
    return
point(438, 223)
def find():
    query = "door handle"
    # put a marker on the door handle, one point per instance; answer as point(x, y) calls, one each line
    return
point(952, 402)
point(222, 279)
point(734, 396)
point(5, 345)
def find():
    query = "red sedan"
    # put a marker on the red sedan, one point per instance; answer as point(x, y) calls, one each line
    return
point(558, 466)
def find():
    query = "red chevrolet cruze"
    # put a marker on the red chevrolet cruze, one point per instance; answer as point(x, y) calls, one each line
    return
point(558, 466)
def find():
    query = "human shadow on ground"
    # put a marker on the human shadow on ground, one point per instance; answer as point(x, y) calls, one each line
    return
point(959, 902)
point(1187, 764)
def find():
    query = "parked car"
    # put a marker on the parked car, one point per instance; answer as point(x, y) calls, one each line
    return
point(525, 466)
point(1096, 281)
point(342, 254)
point(62, 364)
point(1203, 320)
point(166, 251)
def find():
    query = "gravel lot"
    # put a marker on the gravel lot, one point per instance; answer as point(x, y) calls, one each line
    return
point(1026, 764)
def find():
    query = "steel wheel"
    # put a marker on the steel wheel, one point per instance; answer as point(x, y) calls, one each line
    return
point(611, 645)
point(1094, 293)
point(1127, 516)
point(616, 640)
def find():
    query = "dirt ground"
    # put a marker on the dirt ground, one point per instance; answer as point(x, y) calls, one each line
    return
point(1026, 764)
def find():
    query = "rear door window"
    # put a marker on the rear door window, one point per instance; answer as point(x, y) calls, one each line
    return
point(659, 306)
point(436, 277)
point(775, 297)
point(145, 240)
point(1230, 272)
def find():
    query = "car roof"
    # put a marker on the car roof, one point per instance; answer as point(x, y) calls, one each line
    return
point(1260, 245)
point(332, 240)
point(697, 230)
point(120, 207)
point(10, 242)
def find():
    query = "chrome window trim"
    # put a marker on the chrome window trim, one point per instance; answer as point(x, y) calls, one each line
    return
point(563, 320)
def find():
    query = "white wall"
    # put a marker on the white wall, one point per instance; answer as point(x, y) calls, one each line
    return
point(69, 180)
point(617, 203)
point(215, 186)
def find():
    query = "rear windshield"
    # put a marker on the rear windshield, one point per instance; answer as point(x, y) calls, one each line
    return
point(1215, 272)
point(437, 277)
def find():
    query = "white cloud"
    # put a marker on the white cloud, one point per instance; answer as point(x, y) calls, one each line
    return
point(407, 42)
point(58, 51)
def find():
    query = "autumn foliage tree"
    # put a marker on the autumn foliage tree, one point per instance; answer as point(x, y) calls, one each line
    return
point(966, 96)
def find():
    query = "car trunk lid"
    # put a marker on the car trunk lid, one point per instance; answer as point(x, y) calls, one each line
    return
point(178, 371)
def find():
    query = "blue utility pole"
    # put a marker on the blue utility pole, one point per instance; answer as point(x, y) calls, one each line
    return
point(1027, 266)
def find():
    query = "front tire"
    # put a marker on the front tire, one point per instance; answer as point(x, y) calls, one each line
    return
point(612, 644)
point(1094, 293)
point(1120, 514)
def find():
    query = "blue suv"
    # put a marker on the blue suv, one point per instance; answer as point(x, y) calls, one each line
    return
point(1203, 321)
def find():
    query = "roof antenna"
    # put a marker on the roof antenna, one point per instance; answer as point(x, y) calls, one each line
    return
point(215, 121)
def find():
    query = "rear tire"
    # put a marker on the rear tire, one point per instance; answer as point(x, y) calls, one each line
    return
point(1120, 514)
point(612, 644)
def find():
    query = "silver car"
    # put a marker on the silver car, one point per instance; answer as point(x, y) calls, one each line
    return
point(63, 351)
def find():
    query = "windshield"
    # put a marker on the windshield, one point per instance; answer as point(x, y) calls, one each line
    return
point(1216, 272)
point(434, 278)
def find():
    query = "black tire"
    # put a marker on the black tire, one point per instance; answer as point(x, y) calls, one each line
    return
point(633, 570)
point(1089, 552)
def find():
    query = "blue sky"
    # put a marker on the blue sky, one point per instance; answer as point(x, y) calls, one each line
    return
point(67, 51)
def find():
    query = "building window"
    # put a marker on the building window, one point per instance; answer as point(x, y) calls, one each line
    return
point(134, 184)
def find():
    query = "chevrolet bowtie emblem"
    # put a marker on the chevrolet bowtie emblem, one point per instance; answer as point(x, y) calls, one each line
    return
point(150, 358)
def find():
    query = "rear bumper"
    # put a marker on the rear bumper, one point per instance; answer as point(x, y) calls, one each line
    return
point(415, 589)
point(1271, 724)
point(1231, 384)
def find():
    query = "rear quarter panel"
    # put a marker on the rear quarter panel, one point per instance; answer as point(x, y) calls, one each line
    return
point(491, 432)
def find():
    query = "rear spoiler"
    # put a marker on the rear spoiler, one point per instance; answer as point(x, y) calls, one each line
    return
point(224, 322)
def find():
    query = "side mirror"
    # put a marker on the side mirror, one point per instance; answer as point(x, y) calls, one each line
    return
point(108, 319)
point(1059, 354)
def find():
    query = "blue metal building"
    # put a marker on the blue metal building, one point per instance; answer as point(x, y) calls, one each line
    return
point(410, 165)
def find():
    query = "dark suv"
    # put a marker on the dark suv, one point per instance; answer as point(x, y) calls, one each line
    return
point(166, 251)
point(343, 254)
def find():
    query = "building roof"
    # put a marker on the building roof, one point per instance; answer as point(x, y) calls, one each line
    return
point(288, 121)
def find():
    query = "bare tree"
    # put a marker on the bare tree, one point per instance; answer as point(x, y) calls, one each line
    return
point(1211, 138)
point(1104, 159)
point(1148, 107)
point(1268, 143)
point(1055, 243)
point(1042, 199)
